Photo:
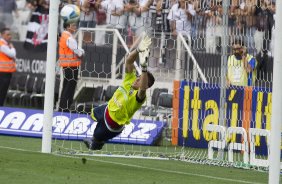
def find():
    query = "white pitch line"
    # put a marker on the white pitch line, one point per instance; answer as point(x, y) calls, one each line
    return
point(142, 167)
point(18, 149)
point(162, 170)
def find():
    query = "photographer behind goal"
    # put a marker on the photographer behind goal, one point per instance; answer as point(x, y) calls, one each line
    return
point(241, 66)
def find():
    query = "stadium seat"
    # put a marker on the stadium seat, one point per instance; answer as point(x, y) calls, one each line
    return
point(100, 96)
point(165, 100)
point(21, 88)
point(87, 99)
point(24, 98)
point(151, 111)
point(37, 98)
point(109, 92)
point(165, 105)
point(165, 112)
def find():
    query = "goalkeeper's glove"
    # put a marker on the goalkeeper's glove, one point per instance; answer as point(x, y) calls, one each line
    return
point(144, 58)
point(144, 44)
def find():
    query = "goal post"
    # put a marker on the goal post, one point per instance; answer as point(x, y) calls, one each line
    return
point(50, 76)
point(276, 120)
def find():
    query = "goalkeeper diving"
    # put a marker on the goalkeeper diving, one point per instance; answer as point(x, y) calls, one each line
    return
point(127, 99)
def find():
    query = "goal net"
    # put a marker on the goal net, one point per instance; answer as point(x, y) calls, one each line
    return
point(211, 102)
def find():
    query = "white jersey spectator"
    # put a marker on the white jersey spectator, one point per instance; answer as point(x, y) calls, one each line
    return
point(214, 29)
point(160, 10)
point(115, 13)
point(139, 18)
point(37, 29)
point(179, 16)
point(87, 15)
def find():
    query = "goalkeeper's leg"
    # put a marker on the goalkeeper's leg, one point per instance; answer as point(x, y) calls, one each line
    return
point(104, 129)
point(93, 144)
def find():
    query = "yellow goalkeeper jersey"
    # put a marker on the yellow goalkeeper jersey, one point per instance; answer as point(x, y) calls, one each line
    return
point(123, 104)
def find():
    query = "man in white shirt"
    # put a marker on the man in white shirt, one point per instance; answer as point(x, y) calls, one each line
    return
point(87, 15)
point(214, 29)
point(180, 16)
point(139, 18)
point(115, 13)
point(7, 62)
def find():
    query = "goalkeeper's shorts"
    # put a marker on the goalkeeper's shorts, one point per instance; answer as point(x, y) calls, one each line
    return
point(106, 128)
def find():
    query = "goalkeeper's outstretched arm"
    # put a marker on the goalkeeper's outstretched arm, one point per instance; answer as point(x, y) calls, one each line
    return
point(143, 79)
point(146, 79)
point(143, 85)
point(142, 46)
point(132, 56)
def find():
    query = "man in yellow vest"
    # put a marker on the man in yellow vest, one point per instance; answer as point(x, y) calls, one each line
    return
point(69, 59)
point(127, 99)
point(7, 62)
point(241, 66)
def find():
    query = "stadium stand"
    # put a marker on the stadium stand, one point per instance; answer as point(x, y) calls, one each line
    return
point(165, 112)
point(99, 96)
point(25, 101)
point(109, 92)
point(165, 102)
point(21, 87)
point(23, 97)
point(85, 99)
point(37, 99)
point(152, 110)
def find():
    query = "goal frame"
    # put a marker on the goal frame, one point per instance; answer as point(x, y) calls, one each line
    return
point(274, 169)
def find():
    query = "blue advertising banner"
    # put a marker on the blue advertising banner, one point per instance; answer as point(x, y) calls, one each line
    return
point(261, 116)
point(203, 109)
point(199, 105)
point(234, 106)
point(71, 126)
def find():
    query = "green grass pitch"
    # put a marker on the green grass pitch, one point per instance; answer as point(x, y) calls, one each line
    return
point(21, 162)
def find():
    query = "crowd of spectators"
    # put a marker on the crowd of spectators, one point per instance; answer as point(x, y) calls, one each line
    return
point(200, 20)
